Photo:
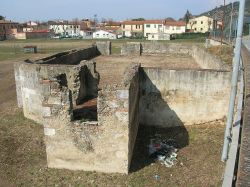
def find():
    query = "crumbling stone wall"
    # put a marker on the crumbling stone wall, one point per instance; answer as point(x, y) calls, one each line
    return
point(44, 90)
point(105, 145)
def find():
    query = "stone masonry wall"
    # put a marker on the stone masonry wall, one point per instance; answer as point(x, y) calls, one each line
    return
point(44, 90)
point(105, 146)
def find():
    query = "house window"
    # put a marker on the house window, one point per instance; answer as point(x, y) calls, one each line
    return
point(201, 22)
point(195, 22)
point(160, 26)
point(195, 29)
point(123, 26)
point(137, 26)
point(155, 26)
point(201, 29)
point(178, 28)
point(148, 26)
point(153, 36)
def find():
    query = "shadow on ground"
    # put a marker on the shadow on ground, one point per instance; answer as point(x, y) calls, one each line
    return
point(157, 118)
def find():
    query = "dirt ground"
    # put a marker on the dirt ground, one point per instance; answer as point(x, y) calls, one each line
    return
point(23, 156)
point(111, 68)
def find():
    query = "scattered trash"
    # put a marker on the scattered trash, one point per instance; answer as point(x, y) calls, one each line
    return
point(164, 151)
point(157, 177)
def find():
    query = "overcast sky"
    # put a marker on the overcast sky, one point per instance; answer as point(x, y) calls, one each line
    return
point(42, 10)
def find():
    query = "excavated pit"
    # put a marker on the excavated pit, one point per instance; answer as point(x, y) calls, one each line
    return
point(91, 102)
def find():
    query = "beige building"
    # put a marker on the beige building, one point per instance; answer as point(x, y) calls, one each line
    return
point(132, 28)
point(200, 24)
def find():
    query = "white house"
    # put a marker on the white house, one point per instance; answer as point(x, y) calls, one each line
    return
point(162, 30)
point(174, 27)
point(65, 29)
point(86, 34)
point(153, 27)
point(102, 34)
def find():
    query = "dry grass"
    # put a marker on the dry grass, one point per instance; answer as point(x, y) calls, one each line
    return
point(225, 53)
point(111, 68)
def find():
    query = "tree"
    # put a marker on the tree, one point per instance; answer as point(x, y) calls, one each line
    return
point(138, 19)
point(187, 17)
point(2, 17)
point(169, 19)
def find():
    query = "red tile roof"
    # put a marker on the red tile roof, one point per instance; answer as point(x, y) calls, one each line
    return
point(153, 21)
point(129, 22)
point(174, 23)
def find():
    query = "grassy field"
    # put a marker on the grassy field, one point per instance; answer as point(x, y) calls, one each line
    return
point(23, 155)
point(14, 48)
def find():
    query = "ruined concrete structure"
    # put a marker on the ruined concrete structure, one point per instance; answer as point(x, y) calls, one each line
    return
point(56, 91)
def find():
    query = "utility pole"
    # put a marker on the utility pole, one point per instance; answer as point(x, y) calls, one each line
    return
point(236, 64)
point(222, 25)
point(231, 20)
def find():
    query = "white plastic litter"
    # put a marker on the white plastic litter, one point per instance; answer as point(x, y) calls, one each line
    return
point(165, 151)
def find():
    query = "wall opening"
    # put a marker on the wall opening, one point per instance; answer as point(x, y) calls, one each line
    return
point(85, 107)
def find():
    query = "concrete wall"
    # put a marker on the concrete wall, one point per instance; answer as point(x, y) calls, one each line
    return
point(183, 97)
point(104, 48)
point(131, 48)
point(206, 60)
point(73, 57)
point(199, 53)
point(159, 48)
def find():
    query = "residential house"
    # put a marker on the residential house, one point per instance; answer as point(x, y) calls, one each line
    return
point(200, 24)
point(102, 34)
point(65, 29)
point(6, 29)
point(174, 27)
point(86, 34)
point(132, 28)
point(153, 27)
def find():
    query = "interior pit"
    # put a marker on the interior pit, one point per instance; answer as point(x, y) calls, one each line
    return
point(149, 84)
